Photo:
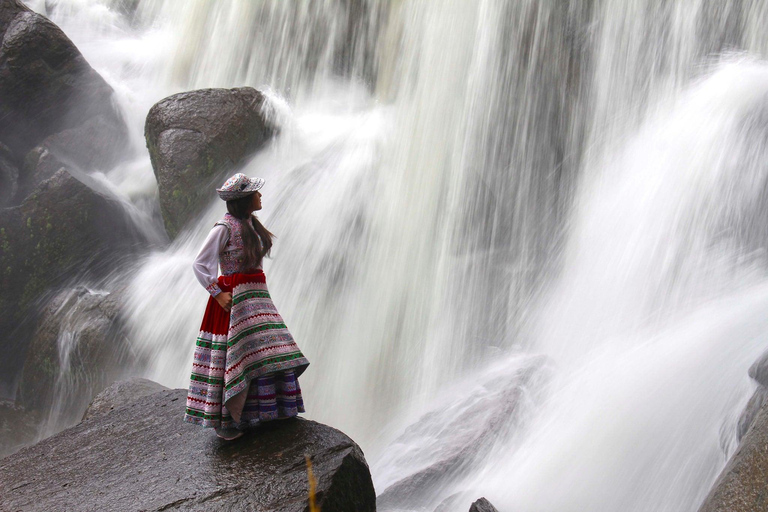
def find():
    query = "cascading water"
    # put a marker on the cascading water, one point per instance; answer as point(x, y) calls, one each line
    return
point(551, 198)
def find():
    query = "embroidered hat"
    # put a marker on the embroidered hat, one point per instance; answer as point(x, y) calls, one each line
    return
point(239, 186)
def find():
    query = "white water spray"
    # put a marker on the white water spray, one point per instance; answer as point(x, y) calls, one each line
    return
point(420, 193)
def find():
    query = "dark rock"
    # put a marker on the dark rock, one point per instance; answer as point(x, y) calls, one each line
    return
point(749, 414)
point(18, 427)
point(77, 350)
point(195, 139)
point(759, 370)
point(39, 165)
point(121, 393)
point(9, 176)
point(446, 443)
point(743, 485)
point(63, 228)
point(482, 505)
point(143, 457)
point(50, 95)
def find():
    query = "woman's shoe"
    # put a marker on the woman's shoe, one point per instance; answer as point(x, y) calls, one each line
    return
point(229, 434)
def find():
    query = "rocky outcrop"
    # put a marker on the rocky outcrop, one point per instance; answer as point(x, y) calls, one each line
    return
point(482, 505)
point(447, 442)
point(141, 456)
point(743, 484)
point(195, 138)
point(748, 416)
point(51, 98)
point(63, 228)
point(759, 370)
point(120, 394)
point(78, 344)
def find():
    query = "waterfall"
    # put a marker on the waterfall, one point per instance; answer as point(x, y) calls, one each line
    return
point(462, 190)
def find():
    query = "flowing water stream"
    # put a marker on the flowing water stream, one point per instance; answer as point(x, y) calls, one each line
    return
point(535, 228)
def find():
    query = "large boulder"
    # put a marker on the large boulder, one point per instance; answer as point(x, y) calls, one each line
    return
point(743, 485)
point(195, 138)
point(62, 229)
point(434, 453)
point(78, 349)
point(142, 456)
point(121, 393)
point(51, 98)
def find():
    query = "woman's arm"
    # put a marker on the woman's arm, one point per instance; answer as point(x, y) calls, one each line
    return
point(206, 263)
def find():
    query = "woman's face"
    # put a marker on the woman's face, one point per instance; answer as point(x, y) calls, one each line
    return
point(256, 201)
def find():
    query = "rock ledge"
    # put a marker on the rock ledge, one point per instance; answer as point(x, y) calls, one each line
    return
point(143, 457)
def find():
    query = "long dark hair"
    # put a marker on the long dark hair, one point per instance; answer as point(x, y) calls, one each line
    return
point(257, 240)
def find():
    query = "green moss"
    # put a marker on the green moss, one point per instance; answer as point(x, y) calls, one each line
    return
point(29, 222)
point(49, 368)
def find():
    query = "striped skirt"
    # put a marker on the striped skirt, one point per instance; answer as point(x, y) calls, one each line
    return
point(246, 362)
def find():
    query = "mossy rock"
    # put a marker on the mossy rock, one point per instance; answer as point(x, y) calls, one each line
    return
point(62, 230)
point(195, 139)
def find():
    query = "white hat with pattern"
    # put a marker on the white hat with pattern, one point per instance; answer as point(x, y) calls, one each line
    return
point(239, 186)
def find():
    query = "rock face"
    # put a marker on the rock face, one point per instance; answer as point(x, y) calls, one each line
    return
point(482, 505)
point(195, 138)
point(120, 394)
point(141, 456)
point(444, 444)
point(94, 351)
point(759, 370)
point(748, 416)
point(51, 98)
point(63, 226)
point(743, 484)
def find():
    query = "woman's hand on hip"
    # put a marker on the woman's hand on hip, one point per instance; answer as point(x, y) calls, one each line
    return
point(225, 300)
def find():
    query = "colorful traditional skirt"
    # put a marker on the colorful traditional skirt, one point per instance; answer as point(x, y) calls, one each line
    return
point(245, 362)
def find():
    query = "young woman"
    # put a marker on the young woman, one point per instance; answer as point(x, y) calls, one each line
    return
point(246, 363)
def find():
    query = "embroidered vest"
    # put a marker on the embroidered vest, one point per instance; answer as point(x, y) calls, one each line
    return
point(232, 257)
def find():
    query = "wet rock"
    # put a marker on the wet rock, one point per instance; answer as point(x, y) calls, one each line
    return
point(18, 427)
point(50, 96)
point(9, 176)
point(120, 394)
point(195, 139)
point(444, 444)
point(62, 229)
point(749, 414)
point(77, 350)
point(482, 505)
point(759, 370)
point(143, 457)
point(743, 485)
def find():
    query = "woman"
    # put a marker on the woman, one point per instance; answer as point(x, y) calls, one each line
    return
point(246, 363)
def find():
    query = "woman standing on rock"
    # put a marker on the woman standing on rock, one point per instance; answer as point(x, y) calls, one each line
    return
point(246, 363)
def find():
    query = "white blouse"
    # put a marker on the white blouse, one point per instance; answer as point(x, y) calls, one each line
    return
point(206, 265)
